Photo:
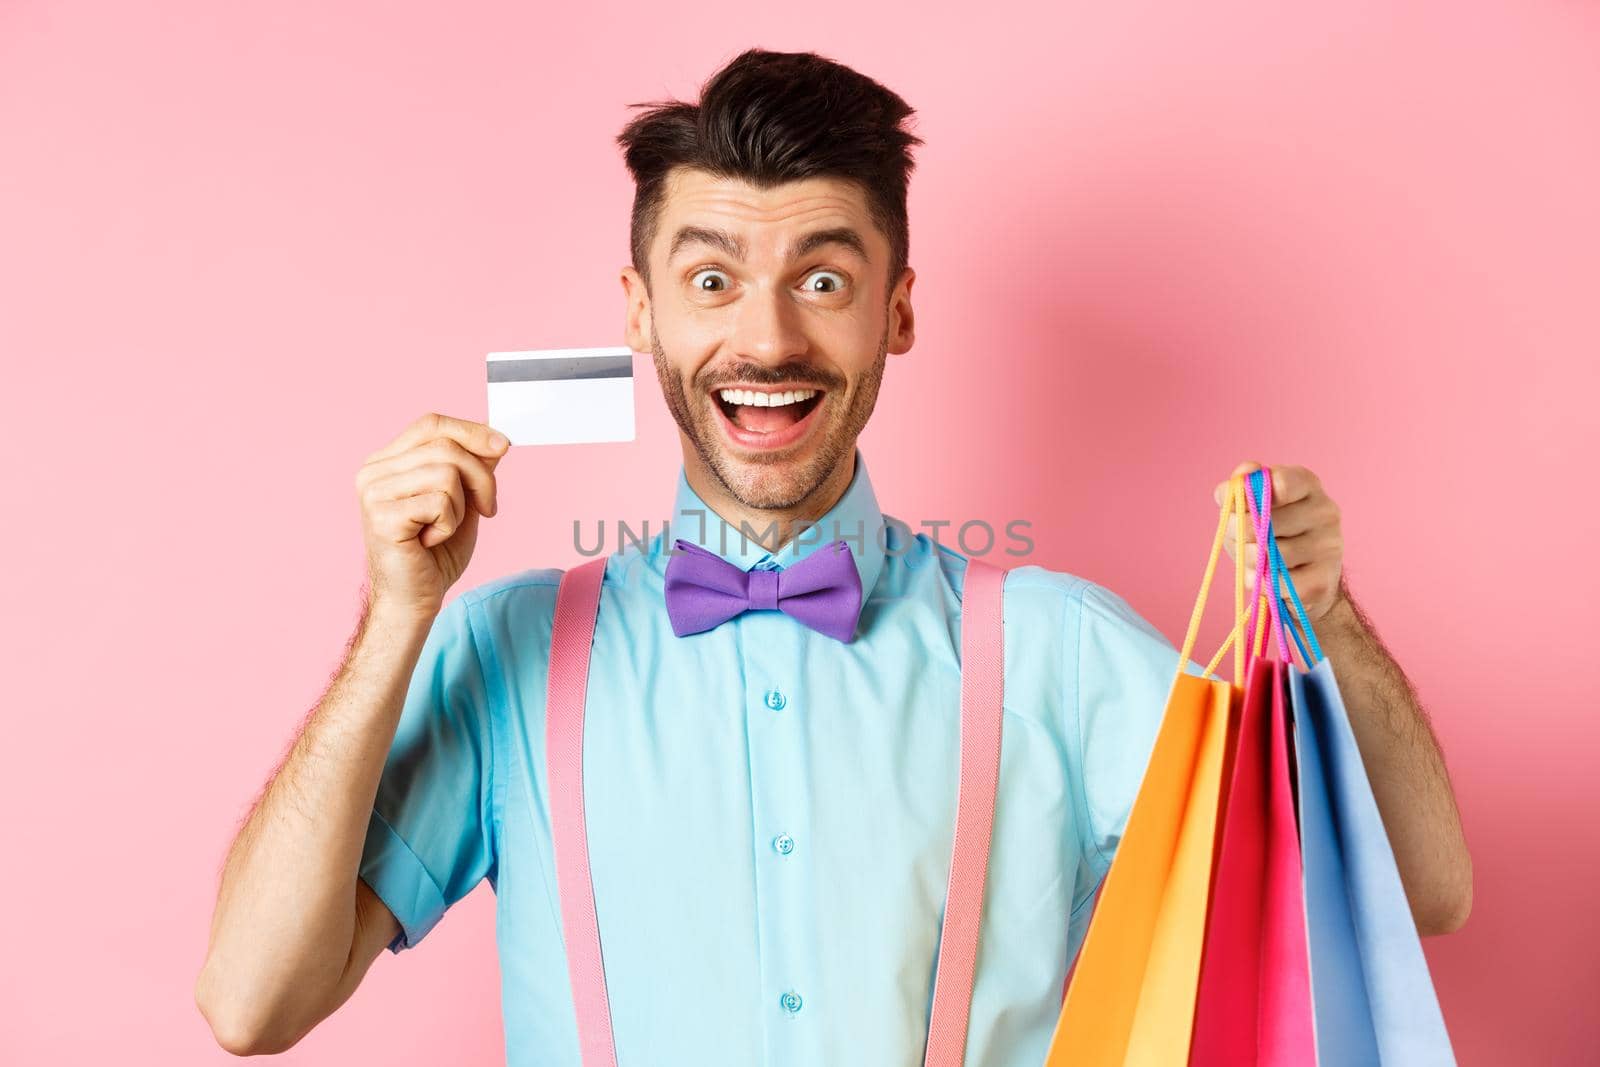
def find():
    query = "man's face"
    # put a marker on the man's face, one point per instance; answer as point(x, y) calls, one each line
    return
point(770, 314)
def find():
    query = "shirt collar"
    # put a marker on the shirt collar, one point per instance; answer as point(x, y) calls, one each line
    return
point(854, 518)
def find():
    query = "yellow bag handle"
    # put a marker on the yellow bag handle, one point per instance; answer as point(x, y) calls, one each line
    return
point(1233, 503)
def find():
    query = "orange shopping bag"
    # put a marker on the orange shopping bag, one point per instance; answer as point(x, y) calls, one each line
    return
point(1132, 996)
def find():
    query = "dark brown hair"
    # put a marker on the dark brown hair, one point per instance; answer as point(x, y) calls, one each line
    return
point(772, 117)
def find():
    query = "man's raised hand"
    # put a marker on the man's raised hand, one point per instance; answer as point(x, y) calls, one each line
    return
point(421, 495)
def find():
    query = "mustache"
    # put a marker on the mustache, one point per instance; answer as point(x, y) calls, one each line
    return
point(756, 374)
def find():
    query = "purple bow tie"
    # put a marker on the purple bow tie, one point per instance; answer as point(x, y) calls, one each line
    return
point(823, 590)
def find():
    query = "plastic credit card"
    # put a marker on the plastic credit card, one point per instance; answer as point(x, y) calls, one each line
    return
point(562, 396)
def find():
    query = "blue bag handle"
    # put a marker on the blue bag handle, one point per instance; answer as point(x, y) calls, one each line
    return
point(1277, 570)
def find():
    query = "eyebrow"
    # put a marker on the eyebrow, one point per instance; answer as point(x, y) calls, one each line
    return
point(734, 246)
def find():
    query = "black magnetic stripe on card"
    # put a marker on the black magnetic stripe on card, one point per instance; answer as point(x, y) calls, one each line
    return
point(568, 369)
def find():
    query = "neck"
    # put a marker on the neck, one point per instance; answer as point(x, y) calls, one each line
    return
point(772, 528)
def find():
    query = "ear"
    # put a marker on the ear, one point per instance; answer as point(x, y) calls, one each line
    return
point(902, 333)
point(636, 326)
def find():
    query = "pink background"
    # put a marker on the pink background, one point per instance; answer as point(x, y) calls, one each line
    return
point(241, 246)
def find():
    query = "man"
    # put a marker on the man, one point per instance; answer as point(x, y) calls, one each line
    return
point(769, 805)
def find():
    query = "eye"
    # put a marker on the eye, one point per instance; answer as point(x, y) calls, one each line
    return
point(700, 277)
point(833, 288)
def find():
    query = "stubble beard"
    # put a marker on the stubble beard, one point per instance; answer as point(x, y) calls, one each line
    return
point(778, 487)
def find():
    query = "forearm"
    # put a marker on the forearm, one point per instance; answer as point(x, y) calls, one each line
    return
point(285, 914)
point(1406, 768)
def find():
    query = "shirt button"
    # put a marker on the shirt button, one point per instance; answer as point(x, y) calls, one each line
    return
point(783, 843)
point(776, 700)
point(790, 1002)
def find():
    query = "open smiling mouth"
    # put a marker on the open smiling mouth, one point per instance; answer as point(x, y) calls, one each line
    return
point(767, 418)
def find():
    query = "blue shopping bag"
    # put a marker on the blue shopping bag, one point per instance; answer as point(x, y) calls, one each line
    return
point(1372, 995)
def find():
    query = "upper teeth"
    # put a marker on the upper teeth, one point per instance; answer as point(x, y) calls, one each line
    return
point(766, 400)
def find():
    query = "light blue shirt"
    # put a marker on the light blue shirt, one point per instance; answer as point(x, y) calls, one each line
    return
point(770, 810)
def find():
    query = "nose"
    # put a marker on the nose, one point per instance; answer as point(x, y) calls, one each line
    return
point(769, 329)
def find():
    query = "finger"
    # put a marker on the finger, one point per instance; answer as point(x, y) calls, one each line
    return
point(1243, 468)
point(1298, 517)
point(476, 437)
point(436, 533)
point(1308, 548)
point(1249, 555)
point(1290, 484)
point(1233, 525)
point(425, 481)
point(1314, 583)
point(1296, 552)
point(1318, 546)
point(399, 520)
point(1302, 516)
point(473, 471)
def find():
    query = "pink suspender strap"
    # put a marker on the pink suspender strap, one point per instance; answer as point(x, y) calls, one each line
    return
point(982, 687)
point(577, 601)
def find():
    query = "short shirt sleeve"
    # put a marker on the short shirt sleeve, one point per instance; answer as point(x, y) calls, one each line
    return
point(1125, 672)
point(430, 836)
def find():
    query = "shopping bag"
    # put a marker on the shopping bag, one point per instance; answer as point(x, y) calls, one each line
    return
point(1132, 994)
point(1373, 999)
point(1253, 1003)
